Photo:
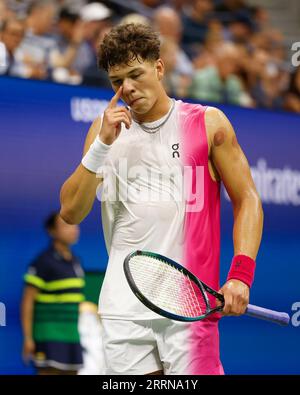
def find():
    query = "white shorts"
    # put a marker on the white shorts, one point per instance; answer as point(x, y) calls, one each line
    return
point(142, 347)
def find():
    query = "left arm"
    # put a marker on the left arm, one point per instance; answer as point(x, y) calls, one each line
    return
point(231, 165)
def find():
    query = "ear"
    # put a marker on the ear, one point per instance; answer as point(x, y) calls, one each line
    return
point(160, 69)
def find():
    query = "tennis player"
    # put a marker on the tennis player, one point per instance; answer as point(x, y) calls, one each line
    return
point(138, 146)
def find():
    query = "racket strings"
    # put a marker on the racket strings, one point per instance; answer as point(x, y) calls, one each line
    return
point(167, 287)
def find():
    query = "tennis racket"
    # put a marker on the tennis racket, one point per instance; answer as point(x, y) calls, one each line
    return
point(169, 289)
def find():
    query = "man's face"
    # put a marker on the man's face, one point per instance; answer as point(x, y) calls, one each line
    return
point(140, 81)
point(66, 28)
point(13, 35)
point(44, 19)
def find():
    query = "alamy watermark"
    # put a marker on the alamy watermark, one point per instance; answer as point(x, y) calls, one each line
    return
point(2, 314)
point(295, 320)
point(138, 184)
point(296, 56)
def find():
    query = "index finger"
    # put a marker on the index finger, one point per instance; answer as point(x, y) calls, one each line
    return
point(114, 100)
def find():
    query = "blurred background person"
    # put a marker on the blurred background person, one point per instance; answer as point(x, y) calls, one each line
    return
point(62, 37)
point(11, 35)
point(175, 82)
point(50, 304)
point(267, 80)
point(231, 10)
point(71, 55)
point(219, 82)
point(195, 19)
point(33, 54)
point(97, 20)
point(5, 12)
point(169, 25)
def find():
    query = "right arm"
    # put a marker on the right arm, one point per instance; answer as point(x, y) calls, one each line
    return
point(78, 193)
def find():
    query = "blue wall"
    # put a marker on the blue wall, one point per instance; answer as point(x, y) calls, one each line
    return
point(42, 129)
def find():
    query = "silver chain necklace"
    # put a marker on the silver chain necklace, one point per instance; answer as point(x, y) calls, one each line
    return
point(155, 129)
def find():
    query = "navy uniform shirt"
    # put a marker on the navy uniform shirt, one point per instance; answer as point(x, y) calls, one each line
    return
point(60, 283)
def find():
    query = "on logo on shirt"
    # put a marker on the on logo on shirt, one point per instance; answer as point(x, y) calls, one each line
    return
point(175, 148)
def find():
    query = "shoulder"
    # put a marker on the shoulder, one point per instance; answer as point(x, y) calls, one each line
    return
point(40, 264)
point(41, 257)
point(218, 126)
point(215, 115)
point(216, 120)
point(191, 108)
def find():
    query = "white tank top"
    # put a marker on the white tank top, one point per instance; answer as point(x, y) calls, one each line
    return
point(141, 164)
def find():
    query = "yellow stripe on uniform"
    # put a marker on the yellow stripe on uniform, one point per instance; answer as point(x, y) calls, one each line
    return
point(56, 285)
point(34, 280)
point(62, 298)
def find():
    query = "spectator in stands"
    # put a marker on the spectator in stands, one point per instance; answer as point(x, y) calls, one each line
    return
point(33, 54)
point(231, 10)
point(179, 5)
point(239, 30)
point(198, 27)
point(175, 83)
point(168, 23)
point(267, 79)
point(260, 18)
point(219, 82)
point(195, 25)
point(11, 36)
point(97, 20)
point(5, 12)
point(96, 17)
point(71, 55)
point(50, 304)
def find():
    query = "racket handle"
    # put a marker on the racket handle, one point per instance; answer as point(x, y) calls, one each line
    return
point(268, 315)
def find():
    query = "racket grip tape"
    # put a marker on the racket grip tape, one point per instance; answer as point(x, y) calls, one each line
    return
point(268, 315)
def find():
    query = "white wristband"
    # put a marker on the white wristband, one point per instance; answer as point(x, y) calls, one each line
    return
point(96, 155)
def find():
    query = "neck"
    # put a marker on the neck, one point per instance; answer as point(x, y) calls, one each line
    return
point(157, 111)
point(63, 249)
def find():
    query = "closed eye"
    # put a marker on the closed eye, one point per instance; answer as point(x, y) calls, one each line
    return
point(117, 82)
point(136, 75)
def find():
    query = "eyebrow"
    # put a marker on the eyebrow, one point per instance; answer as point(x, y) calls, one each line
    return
point(116, 77)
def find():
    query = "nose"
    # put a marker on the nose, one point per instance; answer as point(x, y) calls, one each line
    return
point(128, 86)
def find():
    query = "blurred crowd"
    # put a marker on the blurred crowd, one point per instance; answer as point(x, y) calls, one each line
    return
point(220, 51)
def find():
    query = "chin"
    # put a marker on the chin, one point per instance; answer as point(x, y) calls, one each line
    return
point(143, 109)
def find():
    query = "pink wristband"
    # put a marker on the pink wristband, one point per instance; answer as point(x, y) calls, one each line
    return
point(242, 268)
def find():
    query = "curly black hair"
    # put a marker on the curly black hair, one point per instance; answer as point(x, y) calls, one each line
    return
point(126, 43)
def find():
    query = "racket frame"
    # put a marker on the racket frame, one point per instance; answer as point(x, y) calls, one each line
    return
point(202, 286)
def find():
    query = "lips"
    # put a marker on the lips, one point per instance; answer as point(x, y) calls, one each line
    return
point(135, 100)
